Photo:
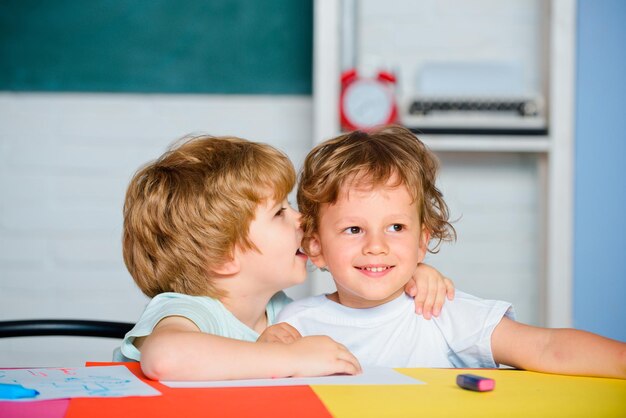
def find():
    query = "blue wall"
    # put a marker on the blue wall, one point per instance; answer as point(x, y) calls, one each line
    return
point(600, 182)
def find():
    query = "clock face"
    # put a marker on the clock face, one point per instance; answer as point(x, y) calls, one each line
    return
point(367, 103)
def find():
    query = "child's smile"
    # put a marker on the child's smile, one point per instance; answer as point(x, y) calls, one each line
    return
point(375, 270)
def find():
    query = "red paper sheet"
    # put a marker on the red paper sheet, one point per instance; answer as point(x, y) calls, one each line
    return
point(271, 402)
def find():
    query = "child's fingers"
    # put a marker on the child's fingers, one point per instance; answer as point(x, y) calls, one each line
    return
point(348, 367)
point(431, 297)
point(281, 332)
point(349, 360)
point(295, 336)
point(410, 288)
point(440, 298)
point(419, 306)
point(290, 331)
point(288, 337)
point(449, 288)
point(421, 295)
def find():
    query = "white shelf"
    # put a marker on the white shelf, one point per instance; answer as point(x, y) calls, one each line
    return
point(462, 143)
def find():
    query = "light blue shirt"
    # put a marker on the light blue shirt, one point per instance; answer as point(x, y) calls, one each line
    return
point(209, 314)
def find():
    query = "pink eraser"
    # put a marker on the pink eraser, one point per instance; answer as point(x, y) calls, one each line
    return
point(476, 383)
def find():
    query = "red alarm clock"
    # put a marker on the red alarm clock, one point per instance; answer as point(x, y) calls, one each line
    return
point(367, 102)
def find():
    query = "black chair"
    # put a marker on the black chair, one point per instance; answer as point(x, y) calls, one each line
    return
point(64, 327)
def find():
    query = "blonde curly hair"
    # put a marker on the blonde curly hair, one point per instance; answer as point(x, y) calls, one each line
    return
point(371, 159)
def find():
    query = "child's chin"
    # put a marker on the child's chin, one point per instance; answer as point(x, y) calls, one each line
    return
point(300, 276)
point(373, 299)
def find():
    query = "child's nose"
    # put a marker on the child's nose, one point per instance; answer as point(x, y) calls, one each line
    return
point(375, 244)
point(298, 217)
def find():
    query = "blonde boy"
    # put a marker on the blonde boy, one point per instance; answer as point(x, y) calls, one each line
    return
point(211, 238)
point(370, 208)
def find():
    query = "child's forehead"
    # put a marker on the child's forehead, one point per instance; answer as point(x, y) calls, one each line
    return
point(366, 191)
point(363, 183)
point(371, 203)
point(268, 198)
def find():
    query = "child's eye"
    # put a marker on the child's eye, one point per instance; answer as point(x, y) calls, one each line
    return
point(396, 228)
point(351, 230)
point(280, 212)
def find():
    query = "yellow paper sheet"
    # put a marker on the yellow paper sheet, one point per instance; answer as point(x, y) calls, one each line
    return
point(517, 394)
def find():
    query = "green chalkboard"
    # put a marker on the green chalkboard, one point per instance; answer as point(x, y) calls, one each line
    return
point(157, 46)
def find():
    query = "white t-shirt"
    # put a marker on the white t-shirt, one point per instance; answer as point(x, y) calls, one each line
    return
point(392, 335)
point(207, 313)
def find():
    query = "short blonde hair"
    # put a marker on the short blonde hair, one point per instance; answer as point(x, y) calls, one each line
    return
point(371, 159)
point(185, 212)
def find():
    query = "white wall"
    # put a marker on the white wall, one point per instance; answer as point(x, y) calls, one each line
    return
point(408, 37)
point(496, 201)
point(65, 162)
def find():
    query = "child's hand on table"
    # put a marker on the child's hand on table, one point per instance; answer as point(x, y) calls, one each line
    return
point(430, 289)
point(316, 355)
point(279, 333)
point(319, 355)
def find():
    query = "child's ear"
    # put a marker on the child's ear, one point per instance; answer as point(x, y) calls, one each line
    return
point(423, 244)
point(315, 252)
point(228, 268)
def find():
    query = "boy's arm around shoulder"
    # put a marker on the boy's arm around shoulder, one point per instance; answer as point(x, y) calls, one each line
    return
point(562, 351)
point(177, 350)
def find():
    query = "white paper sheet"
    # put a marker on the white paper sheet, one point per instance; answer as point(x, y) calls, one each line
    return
point(370, 376)
point(78, 382)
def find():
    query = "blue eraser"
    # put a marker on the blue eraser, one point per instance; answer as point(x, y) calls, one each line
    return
point(14, 391)
point(475, 383)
